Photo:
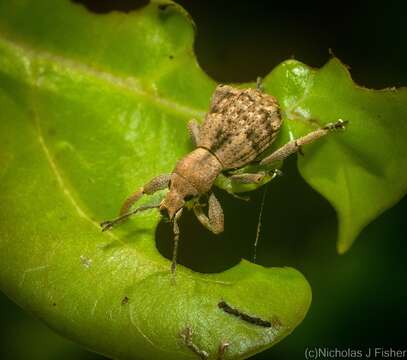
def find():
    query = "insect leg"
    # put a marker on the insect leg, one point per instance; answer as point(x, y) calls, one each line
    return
point(176, 240)
point(248, 178)
point(158, 183)
point(108, 224)
point(215, 213)
point(295, 145)
point(214, 222)
point(254, 178)
point(193, 128)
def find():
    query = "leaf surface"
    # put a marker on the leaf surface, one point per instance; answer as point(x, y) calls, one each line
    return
point(361, 171)
point(92, 107)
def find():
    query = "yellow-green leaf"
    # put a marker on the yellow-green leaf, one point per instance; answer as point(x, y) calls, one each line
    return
point(93, 106)
point(362, 171)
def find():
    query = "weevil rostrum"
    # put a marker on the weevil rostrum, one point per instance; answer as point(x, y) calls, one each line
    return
point(239, 126)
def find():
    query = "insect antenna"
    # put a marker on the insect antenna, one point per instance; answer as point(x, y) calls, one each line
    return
point(107, 225)
point(256, 241)
point(176, 241)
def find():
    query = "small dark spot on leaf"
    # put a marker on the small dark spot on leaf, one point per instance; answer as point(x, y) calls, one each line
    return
point(163, 7)
point(167, 10)
point(125, 300)
point(54, 304)
point(171, 57)
point(106, 6)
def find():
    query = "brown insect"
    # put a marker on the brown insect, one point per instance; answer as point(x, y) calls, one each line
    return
point(240, 125)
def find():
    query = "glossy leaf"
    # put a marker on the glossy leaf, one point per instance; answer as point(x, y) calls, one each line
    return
point(362, 170)
point(92, 107)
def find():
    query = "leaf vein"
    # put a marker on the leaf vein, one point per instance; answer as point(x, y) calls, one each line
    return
point(130, 84)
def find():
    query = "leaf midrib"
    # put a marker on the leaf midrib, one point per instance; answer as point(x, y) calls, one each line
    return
point(130, 84)
point(81, 213)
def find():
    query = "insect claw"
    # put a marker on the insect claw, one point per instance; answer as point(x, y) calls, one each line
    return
point(340, 124)
point(106, 225)
point(278, 172)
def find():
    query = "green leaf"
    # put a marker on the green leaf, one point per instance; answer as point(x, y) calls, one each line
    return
point(93, 106)
point(361, 171)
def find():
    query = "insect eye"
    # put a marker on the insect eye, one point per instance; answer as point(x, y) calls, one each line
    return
point(188, 197)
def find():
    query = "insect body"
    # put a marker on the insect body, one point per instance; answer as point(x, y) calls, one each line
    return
point(240, 125)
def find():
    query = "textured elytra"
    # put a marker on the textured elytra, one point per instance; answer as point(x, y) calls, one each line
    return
point(240, 125)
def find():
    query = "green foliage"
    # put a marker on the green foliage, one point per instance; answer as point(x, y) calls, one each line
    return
point(92, 107)
point(361, 171)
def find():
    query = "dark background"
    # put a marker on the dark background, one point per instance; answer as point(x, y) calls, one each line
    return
point(358, 298)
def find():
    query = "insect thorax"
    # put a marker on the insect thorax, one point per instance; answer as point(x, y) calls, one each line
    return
point(200, 168)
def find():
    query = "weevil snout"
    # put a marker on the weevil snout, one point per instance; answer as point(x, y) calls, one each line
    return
point(180, 192)
point(170, 205)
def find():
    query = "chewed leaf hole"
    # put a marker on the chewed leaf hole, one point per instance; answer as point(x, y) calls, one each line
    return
point(281, 241)
point(205, 252)
point(106, 6)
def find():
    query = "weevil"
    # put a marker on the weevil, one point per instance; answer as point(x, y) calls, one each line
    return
point(240, 126)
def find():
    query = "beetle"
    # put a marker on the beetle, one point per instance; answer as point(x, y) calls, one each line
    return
point(239, 126)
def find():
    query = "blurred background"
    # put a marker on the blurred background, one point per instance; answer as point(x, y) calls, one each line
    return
point(358, 298)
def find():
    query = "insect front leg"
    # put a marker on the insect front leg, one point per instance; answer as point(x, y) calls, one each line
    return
point(158, 183)
point(295, 145)
point(193, 128)
point(214, 222)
